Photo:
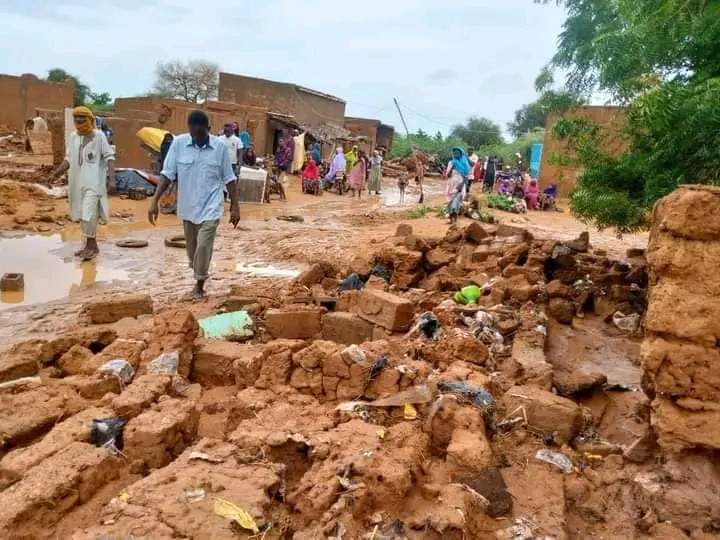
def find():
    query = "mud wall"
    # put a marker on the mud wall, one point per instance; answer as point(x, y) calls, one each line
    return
point(612, 121)
point(171, 114)
point(364, 127)
point(385, 136)
point(307, 106)
point(20, 96)
point(681, 354)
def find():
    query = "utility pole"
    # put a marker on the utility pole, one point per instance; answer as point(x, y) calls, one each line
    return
point(417, 165)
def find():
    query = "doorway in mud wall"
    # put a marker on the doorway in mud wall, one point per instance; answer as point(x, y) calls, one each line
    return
point(277, 137)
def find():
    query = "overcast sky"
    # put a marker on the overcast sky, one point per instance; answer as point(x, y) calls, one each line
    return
point(444, 61)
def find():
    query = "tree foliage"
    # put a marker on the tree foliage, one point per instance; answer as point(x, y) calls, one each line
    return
point(534, 115)
point(82, 91)
point(441, 147)
point(477, 132)
point(435, 146)
point(195, 81)
point(83, 94)
point(661, 59)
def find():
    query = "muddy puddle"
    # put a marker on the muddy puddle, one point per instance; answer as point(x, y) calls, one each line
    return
point(592, 346)
point(261, 269)
point(50, 270)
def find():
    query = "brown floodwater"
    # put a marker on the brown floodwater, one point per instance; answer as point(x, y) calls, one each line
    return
point(591, 345)
point(50, 270)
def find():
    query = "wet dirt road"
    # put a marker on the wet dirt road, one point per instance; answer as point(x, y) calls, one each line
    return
point(262, 248)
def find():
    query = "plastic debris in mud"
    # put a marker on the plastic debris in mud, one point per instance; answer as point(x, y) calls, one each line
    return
point(394, 530)
point(194, 495)
point(235, 514)
point(561, 461)
point(233, 326)
point(381, 271)
point(119, 368)
point(356, 355)
point(107, 433)
point(479, 397)
point(409, 412)
point(165, 364)
point(378, 366)
point(468, 295)
point(630, 324)
point(428, 324)
point(521, 529)
point(351, 283)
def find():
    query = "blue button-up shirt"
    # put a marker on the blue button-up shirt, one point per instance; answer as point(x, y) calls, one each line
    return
point(201, 175)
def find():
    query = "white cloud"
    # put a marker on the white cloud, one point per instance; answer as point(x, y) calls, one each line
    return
point(366, 53)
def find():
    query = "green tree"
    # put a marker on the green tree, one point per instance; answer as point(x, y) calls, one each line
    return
point(83, 94)
point(101, 100)
point(661, 59)
point(534, 115)
point(477, 132)
point(82, 91)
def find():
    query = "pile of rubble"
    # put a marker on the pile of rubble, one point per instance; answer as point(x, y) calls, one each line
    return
point(406, 396)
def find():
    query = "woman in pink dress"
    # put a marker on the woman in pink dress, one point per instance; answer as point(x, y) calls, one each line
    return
point(532, 195)
point(356, 178)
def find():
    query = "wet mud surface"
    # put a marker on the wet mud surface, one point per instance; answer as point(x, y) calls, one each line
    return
point(396, 412)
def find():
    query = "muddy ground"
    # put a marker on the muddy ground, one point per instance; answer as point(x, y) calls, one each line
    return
point(520, 417)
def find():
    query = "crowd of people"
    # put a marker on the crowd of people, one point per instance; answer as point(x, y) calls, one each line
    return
point(466, 168)
point(202, 170)
point(353, 170)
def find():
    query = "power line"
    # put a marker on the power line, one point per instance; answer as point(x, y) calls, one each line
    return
point(421, 115)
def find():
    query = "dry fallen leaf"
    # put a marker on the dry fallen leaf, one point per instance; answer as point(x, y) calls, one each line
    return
point(233, 512)
point(410, 412)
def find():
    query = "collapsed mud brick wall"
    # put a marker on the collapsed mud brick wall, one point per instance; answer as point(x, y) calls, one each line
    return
point(680, 353)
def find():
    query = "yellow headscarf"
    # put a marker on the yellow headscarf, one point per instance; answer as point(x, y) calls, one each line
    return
point(87, 127)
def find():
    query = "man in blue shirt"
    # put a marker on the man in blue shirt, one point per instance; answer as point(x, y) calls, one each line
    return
point(200, 164)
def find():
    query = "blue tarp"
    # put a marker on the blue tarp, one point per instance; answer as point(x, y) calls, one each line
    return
point(127, 179)
point(536, 153)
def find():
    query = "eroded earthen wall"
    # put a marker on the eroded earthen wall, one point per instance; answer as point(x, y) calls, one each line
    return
point(681, 352)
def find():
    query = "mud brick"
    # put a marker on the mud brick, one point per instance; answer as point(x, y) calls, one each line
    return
point(159, 435)
point(75, 429)
point(213, 364)
point(93, 386)
point(24, 359)
point(125, 349)
point(173, 331)
point(293, 323)
point(92, 337)
point(546, 413)
point(346, 328)
point(679, 428)
point(246, 368)
point(114, 308)
point(392, 312)
point(237, 303)
point(140, 394)
point(14, 366)
point(65, 480)
point(78, 360)
point(475, 232)
point(26, 415)
point(251, 487)
point(438, 258)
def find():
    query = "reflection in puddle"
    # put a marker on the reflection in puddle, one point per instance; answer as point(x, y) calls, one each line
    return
point(50, 270)
point(265, 270)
